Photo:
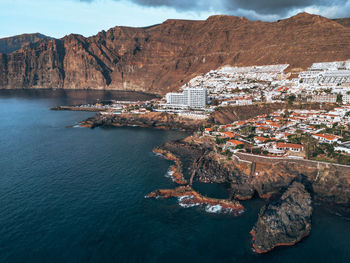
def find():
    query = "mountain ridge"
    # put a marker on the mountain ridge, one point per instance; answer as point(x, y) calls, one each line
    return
point(14, 43)
point(162, 57)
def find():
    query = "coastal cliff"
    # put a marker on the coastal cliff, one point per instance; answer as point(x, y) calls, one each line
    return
point(161, 58)
point(250, 176)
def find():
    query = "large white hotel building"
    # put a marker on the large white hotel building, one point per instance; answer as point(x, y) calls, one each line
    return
point(189, 98)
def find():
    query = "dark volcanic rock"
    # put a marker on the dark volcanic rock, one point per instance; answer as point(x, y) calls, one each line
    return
point(163, 57)
point(250, 176)
point(187, 154)
point(285, 221)
point(159, 120)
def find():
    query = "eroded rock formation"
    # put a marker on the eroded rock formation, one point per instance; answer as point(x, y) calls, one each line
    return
point(283, 222)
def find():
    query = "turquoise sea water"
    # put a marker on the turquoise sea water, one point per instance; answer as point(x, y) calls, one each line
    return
point(77, 195)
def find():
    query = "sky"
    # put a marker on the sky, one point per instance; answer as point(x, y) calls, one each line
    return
point(57, 18)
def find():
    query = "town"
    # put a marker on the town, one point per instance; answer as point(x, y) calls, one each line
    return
point(238, 86)
point(322, 135)
point(306, 134)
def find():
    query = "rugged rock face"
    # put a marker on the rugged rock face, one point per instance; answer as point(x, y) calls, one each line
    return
point(187, 154)
point(160, 120)
point(11, 44)
point(285, 221)
point(161, 58)
point(250, 176)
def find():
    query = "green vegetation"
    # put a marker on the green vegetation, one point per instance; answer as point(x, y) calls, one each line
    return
point(228, 153)
point(295, 138)
point(291, 99)
point(221, 140)
point(256, 151)
point(339, 98)
point(248, 130)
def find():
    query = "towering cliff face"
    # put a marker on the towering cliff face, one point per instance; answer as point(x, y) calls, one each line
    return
point(161, 58)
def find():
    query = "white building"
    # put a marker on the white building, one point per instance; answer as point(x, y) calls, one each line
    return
point(326, 138)
point(324, 98)
point(346, 99)
point(238, 102)
point(190, 97)
point(175, 99)
point(342, 149)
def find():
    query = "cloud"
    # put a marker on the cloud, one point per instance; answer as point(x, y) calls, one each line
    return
point(253, 9)
point(279, 7)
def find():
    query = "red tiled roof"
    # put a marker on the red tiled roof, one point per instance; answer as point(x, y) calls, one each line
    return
point(235, 142)
point(289, 145)
point(229, 134)
point(240, 123)
point(261, 139)
point(328, 137)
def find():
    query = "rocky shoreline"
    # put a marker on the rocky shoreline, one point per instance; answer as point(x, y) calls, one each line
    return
point(175, 169)
point(188, 198)
point(158, 120)
point(290, 187)
point(75, 108)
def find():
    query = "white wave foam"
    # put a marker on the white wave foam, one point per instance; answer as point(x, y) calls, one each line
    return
point(169, 174)
point(184, 197)
point(213, 208)
point(183, 201)
point(184, 205)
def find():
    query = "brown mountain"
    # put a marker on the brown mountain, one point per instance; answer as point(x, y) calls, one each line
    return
point(11, 44)
point(161, 58)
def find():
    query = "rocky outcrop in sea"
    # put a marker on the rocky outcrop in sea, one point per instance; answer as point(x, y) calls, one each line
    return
point(283, 222)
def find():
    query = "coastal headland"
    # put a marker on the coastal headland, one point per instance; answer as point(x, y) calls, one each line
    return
point(159, 120)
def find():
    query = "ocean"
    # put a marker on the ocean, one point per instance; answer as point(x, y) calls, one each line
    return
point(77, 195)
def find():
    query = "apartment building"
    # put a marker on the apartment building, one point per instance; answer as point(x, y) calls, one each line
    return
point(190, 97)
